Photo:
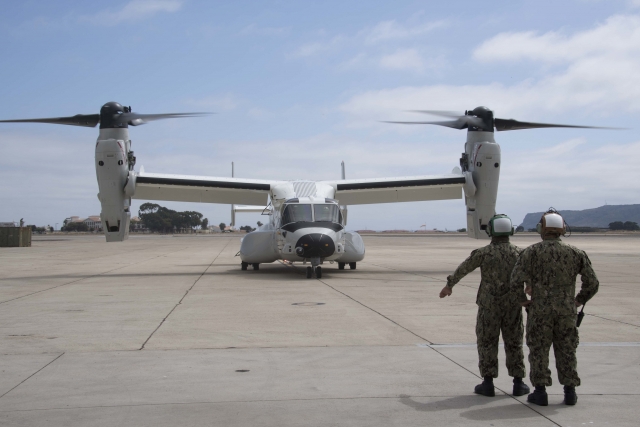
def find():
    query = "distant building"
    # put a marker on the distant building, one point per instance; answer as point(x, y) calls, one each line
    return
point(93, 223)
point(8, 224)
point(136, 224)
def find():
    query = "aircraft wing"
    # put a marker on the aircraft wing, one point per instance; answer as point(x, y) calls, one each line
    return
point(399, 189)
point(205, 189)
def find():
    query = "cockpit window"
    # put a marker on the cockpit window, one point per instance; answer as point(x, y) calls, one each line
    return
point(295, 213)
point(330, 213)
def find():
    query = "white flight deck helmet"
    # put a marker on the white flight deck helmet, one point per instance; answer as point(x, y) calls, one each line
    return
point(551, 222)
point(500, 225)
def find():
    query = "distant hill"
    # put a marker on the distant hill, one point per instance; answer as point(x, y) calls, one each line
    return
point(597, 217)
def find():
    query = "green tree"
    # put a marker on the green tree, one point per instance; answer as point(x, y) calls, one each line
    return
point(222, 227)
point(205, 224)
point(76, 226)
point(156, 218)
point(631, 226)
point(259, 224)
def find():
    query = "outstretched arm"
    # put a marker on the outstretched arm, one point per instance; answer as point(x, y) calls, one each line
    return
point(468, 265)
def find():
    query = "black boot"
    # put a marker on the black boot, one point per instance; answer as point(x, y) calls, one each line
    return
point(519, 387)
point(539, 396)
point(570, 396)
point(486, 388)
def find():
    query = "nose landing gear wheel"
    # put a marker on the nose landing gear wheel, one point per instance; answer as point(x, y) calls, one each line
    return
point(309, 272)
point(318, 272)
point(352, 265)
point(341, 266)
point(256, 266)
point(244, 265)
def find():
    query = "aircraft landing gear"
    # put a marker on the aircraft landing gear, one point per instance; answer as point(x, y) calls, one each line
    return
point(341, 265)
point(318, 272)
point(352, 265)
point(244, 265)
point(309, 272)
point(256, 266)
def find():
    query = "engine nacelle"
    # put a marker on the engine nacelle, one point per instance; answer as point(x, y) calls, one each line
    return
point(480, 163)
point(116, 182)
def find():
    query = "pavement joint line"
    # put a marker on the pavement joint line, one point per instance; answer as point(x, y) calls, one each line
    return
point(23, 381)
point(219, 402)
point(612, 320)
point(582, 344)
point(89, 277)
point(184, 296)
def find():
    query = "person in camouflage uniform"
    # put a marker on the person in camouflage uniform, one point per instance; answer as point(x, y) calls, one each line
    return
point(549, 270)
point(498, 309)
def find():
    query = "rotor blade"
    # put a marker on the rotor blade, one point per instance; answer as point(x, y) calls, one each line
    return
point(86, 120)
point(438, 113)
point(511, 124)
point(461, 123)
point(455, 124)
point(136, 119)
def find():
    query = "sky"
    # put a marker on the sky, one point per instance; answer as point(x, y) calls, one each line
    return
point(299, 86)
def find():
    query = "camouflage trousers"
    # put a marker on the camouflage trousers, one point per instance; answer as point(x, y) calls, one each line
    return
point(543, 330)
point(490, 322)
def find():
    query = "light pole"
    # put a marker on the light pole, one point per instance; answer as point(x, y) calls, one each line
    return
point(55, 227)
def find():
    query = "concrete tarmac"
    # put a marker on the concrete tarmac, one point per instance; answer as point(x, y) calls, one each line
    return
point(167, 330)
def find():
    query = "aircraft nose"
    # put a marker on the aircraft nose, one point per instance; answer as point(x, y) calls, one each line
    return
point(315, 245)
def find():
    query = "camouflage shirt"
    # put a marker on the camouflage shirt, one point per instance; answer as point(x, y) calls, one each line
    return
point(550, 267)
point(496, 261)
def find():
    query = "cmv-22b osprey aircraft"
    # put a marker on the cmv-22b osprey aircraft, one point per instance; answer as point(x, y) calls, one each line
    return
point(307, 219)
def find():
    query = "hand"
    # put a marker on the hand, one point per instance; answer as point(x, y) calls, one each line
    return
point(578, 304)
point(445, 292)
point(527, 290)
point(525, 303)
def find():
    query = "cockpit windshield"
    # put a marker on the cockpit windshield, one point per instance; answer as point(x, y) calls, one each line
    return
point(330, 213)
point(296, 213)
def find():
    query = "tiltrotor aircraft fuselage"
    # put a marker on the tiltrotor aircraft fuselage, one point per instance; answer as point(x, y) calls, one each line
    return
point(307, 219)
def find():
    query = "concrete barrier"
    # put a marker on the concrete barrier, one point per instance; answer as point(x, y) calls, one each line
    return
point(15, 237)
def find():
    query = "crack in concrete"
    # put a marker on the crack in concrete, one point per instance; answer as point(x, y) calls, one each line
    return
point(23, 381)
point(184, 296)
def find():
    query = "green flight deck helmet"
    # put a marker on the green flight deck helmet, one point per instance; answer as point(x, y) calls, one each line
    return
point(500, 225)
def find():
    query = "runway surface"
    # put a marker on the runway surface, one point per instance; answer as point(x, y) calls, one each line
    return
point(166, 331)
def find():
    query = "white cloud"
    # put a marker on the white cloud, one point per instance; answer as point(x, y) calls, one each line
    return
point(595, 70)
point(392, 30)
point(617, 38)
point(387, 32)
point(133, 11)
point(403, 59)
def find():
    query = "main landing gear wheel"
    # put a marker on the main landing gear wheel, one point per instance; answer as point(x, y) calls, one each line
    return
point(244, 265)
point(352, 265)
point(256, 266)
point(319, 272)
point(309, 272)
point(341, 266)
